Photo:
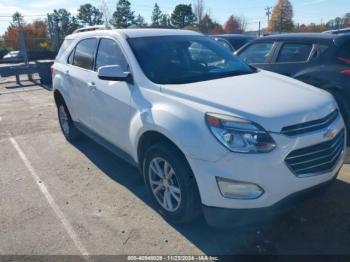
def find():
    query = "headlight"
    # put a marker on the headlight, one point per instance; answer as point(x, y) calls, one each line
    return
point(240, 135)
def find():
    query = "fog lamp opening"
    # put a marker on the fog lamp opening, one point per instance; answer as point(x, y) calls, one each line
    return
point(238, 190)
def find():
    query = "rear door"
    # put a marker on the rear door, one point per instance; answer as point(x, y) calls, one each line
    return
point(81, 76)
point(291, 58)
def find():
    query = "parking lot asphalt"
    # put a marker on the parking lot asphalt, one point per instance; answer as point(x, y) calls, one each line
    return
point(58, 198)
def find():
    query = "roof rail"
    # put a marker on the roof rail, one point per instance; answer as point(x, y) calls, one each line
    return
point(90, 28)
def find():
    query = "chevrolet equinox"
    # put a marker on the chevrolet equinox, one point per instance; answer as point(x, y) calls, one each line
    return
point(210, 134)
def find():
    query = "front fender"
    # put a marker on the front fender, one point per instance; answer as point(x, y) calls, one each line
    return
point(186, 128)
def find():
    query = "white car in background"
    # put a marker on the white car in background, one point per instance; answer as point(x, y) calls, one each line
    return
point(13, 57)
point(210, 134)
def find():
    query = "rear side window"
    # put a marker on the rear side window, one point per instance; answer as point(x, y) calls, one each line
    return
point(257, 53)
point(109, 53)
point(293, 53)
point(343, 53)
point(66, 43)
point(85, 53)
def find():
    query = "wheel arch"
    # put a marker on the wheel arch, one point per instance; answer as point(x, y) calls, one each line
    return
point(152, 137)
point(58, 96)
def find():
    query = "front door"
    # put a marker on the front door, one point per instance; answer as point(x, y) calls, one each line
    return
point(111, 114)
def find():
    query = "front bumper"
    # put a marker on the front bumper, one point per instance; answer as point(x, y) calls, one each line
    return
point(225, 217)
point(268, 171)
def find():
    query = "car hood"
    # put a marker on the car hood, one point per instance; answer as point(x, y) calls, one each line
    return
point(271, 100)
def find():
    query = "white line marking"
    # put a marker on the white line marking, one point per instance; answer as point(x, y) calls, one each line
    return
point(50, 199)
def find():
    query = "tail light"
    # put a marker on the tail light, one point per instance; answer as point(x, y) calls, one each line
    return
point(346, 72)
point(51, 68)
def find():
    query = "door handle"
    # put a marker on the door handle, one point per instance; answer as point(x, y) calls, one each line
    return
point(67, 72)
point(92, 86)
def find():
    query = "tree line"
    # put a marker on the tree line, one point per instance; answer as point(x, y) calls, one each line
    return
point(61, 22)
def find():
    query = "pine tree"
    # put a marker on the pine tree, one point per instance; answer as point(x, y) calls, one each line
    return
point(140, 21)
point(156, 16)
point(90, 15)
point(183, 16)
point(123, 17)
point(165, 22)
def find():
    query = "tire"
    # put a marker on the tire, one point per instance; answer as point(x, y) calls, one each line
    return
point(180, 184)
point(70, 132)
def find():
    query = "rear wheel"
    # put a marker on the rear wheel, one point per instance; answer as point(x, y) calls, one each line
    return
point(70, 132)
point(170, 181)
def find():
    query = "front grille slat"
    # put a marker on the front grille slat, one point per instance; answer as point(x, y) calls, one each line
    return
point(320, 164)
point(313, 152)
point(319, 158)
point(311, 125)
point(316, 159)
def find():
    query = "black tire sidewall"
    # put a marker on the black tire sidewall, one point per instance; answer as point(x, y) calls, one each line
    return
point(73, 133)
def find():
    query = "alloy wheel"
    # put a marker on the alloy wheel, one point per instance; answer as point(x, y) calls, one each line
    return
point(164, 184)
point(64, 119)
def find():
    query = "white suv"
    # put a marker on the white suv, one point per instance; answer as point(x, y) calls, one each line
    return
point(210, 134)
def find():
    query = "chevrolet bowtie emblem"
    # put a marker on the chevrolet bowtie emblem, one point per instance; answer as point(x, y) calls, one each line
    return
point(330, 134)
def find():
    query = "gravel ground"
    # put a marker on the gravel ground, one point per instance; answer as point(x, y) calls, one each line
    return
point(62, 199)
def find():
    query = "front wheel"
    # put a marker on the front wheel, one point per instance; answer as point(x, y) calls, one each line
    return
point(172, 186)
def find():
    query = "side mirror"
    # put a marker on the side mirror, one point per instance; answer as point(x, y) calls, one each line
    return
point(114, 73)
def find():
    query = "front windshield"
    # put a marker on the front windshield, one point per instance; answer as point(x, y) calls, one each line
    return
point(185, 59)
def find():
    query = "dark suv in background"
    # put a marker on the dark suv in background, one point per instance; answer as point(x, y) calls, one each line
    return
point(233, 41)
point(321, 60)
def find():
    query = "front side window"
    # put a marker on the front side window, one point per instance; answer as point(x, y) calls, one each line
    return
point(185, 59)
point(85, 53)
point(293, 53)
point(257, 53)
point(109, 53)
point(238, 43)
point(225, 44)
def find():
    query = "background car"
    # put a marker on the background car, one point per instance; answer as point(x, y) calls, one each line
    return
point(321, 60)
point(338, 31)
point(13, 57)
point(233, 41)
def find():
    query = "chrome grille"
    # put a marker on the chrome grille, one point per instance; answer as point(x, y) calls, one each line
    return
point(317, 159)
point(311, 125)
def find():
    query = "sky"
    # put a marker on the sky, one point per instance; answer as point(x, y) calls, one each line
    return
point(305, 11)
